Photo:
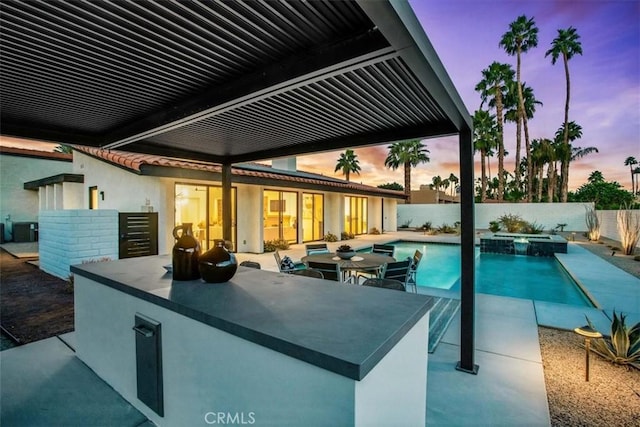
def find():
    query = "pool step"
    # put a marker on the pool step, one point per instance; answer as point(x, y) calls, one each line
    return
point(441, 315)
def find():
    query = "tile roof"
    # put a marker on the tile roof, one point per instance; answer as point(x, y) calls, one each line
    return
point(23, 152)
point(136, 162)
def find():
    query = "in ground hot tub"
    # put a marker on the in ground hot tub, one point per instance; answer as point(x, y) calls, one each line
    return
point(524, 244)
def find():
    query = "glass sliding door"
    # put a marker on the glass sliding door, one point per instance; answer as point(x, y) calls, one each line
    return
point(355, 215)
point(201, 205)
point(280, 210)
point(312, 217)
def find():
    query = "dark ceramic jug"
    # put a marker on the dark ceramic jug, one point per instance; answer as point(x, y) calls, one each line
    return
point(217, 265)
point(186, 253)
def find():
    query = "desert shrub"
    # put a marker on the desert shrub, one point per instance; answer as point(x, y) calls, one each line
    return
point(69, 284)
point(593, 224)
point(330, 237)
point(628, 229)
point(622, 346)
point(426, 226)
point(513, 223)
point(346, 235)
point(374, 231)
point(532, 228)
point(447, 229)
point(494, 226)
point(405, 224)
point(272, 245)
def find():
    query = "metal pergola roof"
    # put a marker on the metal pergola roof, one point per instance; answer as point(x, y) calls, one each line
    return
point(233, 81)
point(222, 81)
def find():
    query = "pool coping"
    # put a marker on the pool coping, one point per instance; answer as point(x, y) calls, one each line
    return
point(579, 264)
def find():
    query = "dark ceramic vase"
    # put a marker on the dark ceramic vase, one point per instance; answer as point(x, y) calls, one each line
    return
point(217, 265)
point(185, 254)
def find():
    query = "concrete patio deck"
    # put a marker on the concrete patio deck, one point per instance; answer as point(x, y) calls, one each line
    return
point(508, 390)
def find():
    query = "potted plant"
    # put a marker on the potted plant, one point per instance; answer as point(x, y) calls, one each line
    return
point(345, 252)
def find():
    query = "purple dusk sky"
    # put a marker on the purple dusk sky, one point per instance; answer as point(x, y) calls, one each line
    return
point(605, 82)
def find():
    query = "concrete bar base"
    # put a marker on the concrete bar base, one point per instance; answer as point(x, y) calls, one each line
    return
point(212, 376)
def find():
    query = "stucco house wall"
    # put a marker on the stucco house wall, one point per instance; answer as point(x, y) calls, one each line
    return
point(18, 166)
point(126, 191)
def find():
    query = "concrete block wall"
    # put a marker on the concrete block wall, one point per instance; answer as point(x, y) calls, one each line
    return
point(68, 237)
point(548, 215)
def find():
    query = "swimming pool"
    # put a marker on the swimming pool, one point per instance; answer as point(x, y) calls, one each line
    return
point(528, 277)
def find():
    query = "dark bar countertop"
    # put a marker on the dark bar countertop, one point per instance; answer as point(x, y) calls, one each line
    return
point(346, 329)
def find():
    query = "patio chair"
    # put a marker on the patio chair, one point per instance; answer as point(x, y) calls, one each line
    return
point(384, 283)
point(309, 272)
point(281, 268)
point(330, 271)
point(251, 264)
point(399, 270)
point(317, 248)
point(383, 249)
point(417, 257)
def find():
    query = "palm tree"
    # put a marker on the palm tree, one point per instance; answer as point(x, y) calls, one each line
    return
point(636, 171)
point(580, 152)
point(453, 180)
point(408, 154)
point(436, 183)
point(63, 149)
point(566, 153)
point(484, 140)
point(541, 153)
point(347, 163)
point(445, 184)
point(530, 103)
point(595, 176)
point(631, 161)
point(492, 88)
point(566, 44)
point(512, 114)
point(554, 154)
point(522, 36)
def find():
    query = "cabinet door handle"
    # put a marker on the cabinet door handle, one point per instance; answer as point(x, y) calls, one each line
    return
point(148, 333)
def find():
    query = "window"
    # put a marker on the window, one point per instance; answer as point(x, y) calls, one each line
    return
point(279, 215)
point(93, 197)
point(312, 217)
point(201, 205)
point(355, 215)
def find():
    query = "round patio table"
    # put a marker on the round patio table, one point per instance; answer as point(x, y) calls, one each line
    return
point(364, 262)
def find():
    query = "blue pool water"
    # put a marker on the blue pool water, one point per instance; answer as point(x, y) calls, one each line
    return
point(536, 278)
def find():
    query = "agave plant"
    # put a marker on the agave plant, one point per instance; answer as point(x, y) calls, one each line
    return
point(623, 346)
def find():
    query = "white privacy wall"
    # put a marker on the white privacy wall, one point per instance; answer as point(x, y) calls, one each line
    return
point(609, 224)
point(548, 215)
point(68, 237)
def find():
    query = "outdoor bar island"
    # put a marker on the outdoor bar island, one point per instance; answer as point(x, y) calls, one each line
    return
point(264, 348)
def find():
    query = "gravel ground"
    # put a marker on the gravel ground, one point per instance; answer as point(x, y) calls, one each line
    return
point(610, 398)
point(612, 395)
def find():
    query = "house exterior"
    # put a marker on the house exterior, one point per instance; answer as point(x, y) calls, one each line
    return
point(18, 206)
point(267, 203)
point(427, 196)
